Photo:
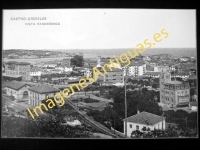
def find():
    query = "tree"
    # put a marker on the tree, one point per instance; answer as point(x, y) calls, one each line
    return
point(157, 133)
point(41, 127)
point(77, 61)
point(192, 92)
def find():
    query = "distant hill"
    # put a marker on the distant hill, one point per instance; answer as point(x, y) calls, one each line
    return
point(153, 51)
point(110, 52)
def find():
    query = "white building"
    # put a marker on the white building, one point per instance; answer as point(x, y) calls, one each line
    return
point(152, 74)
point(35, 72)
point(135, 69)
point(193, 106)
point(88, 71)
point(68, 69)
point(144, 119)
point(63, 68)
point(39, 93)
point(110, 65)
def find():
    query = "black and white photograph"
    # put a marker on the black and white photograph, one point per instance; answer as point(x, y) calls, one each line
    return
point(99, 73)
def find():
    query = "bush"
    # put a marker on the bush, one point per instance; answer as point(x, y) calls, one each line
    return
point(12, 97)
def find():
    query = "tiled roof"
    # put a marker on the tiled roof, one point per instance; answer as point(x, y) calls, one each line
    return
point(193, 103)
point(152, 73)
point(17, 63)
point(15, 85)
point(4, 83)
point(174, 82)
point(13, 76)
point(145, 118)
point(192, 77)
point(44, 89)
point(55, 70)
point(136, 64)
point(152, 61)
point(113, 69)
point(23, 63)
point(35, 69)
point(149, 68)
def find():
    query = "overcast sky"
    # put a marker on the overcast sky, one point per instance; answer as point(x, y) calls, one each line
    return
point(98, 28)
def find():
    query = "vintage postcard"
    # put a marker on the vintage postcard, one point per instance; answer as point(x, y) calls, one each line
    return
point(99, 73)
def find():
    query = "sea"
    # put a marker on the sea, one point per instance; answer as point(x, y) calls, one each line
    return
point(177, 52)
point(93, 53)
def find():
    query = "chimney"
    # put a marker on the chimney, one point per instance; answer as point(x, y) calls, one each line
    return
point(138, 111)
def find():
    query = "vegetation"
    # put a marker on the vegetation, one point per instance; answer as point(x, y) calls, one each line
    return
point(182, 118)
point(169, 132)
point(135, 100)
point(42, 126)
point(77, 61)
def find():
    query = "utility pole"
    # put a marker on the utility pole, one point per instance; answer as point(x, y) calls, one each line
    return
point(162, 120)
point(114, 124)
point(125, 103)
point(186, 122)
point(84, 124)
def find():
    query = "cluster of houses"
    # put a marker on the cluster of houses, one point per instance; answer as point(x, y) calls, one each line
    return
point(173, 93)
point(153, 66)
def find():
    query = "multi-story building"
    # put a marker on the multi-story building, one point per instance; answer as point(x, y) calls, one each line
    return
point(18, 68)
point(35, 72)
point(114, 76)
point(135, 69)
point(151, 68)
point(39, 93)
point(163, 68)
point(173, 93)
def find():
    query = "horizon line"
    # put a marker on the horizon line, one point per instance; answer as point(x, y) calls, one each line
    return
point(98, 48)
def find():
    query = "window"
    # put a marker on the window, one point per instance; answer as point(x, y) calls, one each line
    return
point(130, 125)
point(137, 127)
point(144, 128)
